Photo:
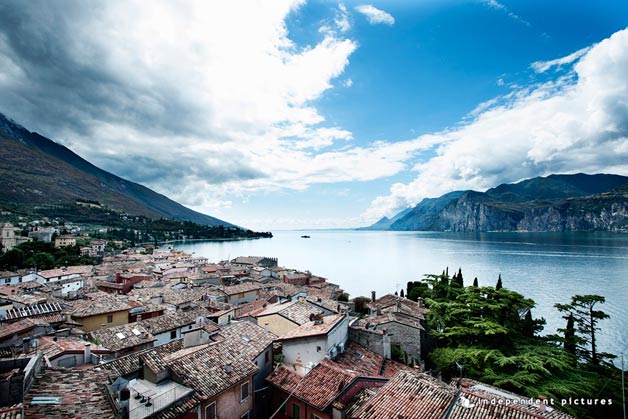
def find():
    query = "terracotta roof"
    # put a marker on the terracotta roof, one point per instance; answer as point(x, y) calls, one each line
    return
point(80, 393)
point(124, 336)
point(393, 317)
point(390, 368)
point(393, 303)
point(415, 395)
point(249, 338)
point(20, 326)
point(407, 396)
point(312, 329)
point(361, 360)
point(205, 370)
point(52, 348)
point(70, 270)
point(244, 287)
point(319, 388)
point(129, 364)
point(169, 321)
point(98, 303)
point(298, 312)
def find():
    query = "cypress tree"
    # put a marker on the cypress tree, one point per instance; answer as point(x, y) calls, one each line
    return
point(499, 283)
point(459, 278)
point(475, 282)
point(401, 294)
point(570, 335)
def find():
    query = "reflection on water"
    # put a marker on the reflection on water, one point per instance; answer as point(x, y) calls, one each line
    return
point(547, 267)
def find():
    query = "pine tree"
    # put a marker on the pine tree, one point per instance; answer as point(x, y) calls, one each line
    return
point(499, 283)
point(586, 320)
point(401, 294)
point(475, 282)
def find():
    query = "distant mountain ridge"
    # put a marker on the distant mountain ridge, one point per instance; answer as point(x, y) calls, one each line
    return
point(36, 170)
point(578, 202)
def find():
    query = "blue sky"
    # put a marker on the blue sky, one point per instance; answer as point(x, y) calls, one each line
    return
point(295, 114)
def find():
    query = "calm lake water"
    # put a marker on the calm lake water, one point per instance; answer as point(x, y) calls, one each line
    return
point(547, 267)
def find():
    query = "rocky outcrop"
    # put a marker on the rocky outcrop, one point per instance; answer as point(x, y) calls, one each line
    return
point(554, 203)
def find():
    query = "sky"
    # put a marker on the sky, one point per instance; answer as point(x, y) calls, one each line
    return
point(291, 114)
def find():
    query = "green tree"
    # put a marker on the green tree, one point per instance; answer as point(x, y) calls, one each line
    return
point(401, 294)
point(475, 281)
point(499, 285)
point(586, 319)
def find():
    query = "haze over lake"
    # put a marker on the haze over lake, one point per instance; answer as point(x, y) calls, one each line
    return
point(547, 267)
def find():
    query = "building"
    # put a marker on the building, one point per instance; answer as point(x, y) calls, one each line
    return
point(100, 310)
point(124, 339)
point(69, 393)
point(413, 395)
point(309, 344)
point(250, 261)
point(67, 352)
point(8, 239)
point(282, 318)
point(65, 240)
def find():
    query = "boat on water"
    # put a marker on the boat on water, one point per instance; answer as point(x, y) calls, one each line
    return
point(305, 237)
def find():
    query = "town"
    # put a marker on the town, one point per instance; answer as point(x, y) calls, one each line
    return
point(152, 332)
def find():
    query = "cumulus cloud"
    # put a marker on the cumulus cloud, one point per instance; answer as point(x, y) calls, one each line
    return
point(199, 100)
point(575, 123)
point(374, 15)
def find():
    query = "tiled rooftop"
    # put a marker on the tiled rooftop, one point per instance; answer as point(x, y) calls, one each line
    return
point(361, 360)
point(411, 395)
point(129, 364)
point(76, 393)
point(393, 303)
point(98, 303)
point(52, 348)
point(205, 370)
point(20, 326)
point(390, 317)
point(124, 336)
point(318, 388)
point(70, 270)
point(312, 329)
point(244, 287)
point(249, 338)
point(169, 321)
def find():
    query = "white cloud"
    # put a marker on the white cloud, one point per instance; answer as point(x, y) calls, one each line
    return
point(495, 4)
point(375, 15)
point(203, 103)
point(577, 123)
point(543, 66)
point(342, 18)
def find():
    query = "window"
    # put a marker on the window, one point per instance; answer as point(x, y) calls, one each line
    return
point(266, 357)
point(173, 334)
point(318, 349)
point(110, 318)
point(246, 415)
point(210, 411)
point(296, 411)
point(244, 392)
point(313, 416)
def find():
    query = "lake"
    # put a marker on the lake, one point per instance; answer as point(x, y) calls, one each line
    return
point(547, 267)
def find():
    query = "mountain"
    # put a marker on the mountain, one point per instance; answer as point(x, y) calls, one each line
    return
point(577, 202)
point(36, 170)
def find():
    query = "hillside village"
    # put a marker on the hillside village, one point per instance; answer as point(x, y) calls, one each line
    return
point(155, 332)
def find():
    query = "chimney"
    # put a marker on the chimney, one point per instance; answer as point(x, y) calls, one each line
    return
point(379, 311)
point(319, 300)
point(228, 368)
point(139, 317)
point(398, 305)
point(386, 345)
point(265, 327)
point(373, 296)
point(87, 353)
